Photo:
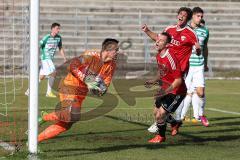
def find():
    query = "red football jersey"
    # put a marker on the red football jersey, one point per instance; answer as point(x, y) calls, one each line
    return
point(181, 45)
point(169, 71)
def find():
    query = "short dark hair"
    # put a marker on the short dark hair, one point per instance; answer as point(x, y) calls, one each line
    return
point(188, 10)
point(197, 10)
point(108, 44)
point(54, 25)
point(169, 38)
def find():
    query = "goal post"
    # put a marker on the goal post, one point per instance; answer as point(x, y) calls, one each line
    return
point(33, 77)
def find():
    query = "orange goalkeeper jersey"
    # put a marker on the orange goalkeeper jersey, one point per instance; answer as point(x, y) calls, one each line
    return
point(84, 69)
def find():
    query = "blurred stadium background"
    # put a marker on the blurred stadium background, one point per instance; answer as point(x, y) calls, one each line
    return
point(85, 23)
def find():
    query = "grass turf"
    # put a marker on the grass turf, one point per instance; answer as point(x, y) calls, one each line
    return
point(117, 129)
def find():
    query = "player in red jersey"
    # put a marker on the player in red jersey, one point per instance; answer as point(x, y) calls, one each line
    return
point(170, 96)
point(183, 40)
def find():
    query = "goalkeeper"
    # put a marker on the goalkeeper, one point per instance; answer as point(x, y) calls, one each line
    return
point(92, 71)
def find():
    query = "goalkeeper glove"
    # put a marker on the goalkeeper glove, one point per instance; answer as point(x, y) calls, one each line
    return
point(97, 87)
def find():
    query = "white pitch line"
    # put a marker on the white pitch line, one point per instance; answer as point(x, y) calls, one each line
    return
point(223, 111)
point(7, 146)
point(210, 109)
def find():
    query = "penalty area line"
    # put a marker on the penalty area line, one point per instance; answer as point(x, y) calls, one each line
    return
point(223, 111)
point(210, 109)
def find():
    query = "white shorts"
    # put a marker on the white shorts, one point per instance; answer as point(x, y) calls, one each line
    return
point(47, 67)
point(195, 78)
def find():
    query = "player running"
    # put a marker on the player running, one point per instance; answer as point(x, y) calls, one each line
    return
point(170, 96)
point(183, 40)
point(48, 48)
point(92, 71)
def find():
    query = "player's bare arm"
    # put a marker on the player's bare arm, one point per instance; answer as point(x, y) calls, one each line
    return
point(198, 49)
point(149, 83)
point(151, 34)
point(61, 51)
point(205, 55)
point(176, 83)
point(76, 68)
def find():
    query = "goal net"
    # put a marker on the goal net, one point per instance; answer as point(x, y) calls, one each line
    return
point(14, 48)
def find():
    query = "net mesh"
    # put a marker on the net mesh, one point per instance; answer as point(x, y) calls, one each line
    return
point(14, 48)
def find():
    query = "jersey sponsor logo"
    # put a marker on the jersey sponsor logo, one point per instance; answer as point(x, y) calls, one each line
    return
point(51, 46)
point(175, 42)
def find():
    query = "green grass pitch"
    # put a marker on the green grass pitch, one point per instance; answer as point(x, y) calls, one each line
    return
point(116, 129)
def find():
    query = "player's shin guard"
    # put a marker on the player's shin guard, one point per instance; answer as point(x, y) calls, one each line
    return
point(54, 130)
point(201, 106)
point(162, 129)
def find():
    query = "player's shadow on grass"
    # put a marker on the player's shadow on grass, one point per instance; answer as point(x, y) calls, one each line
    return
point(183, 139)
point(114, 118)
point(85, 151)
point(96, 133)
point(68, 152)
point(227, 124)
point(218, 131)
point(201, 141)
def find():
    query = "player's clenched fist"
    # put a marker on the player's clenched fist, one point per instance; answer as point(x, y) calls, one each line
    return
point(145, 28)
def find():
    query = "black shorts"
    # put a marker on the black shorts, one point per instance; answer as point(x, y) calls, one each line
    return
point(169, 102)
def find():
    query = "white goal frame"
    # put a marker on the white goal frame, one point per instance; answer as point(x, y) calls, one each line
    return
point(33, 77)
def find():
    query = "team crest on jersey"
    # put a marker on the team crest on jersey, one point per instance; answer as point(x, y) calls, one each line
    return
point(183, 38)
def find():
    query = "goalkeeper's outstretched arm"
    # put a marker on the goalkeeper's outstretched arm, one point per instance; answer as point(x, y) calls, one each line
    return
point(76, 68)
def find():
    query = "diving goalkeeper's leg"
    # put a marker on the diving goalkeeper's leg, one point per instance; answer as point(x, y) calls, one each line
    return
point(54, 130)
point(65, 119)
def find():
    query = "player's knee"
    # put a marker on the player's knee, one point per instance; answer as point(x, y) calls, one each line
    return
point(53, 74)
point(69, 111)
point(161, 118)
point(68, 125)
point(41, 77)
point(200, 93)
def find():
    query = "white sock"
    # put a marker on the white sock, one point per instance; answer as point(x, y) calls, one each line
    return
point(186, 104)
point(50, 84)
point(196, 105)
point(178, 112)
point(202, 102)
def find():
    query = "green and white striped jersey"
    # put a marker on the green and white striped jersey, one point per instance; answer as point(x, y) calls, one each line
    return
point(203, 35)
point(49, 45)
